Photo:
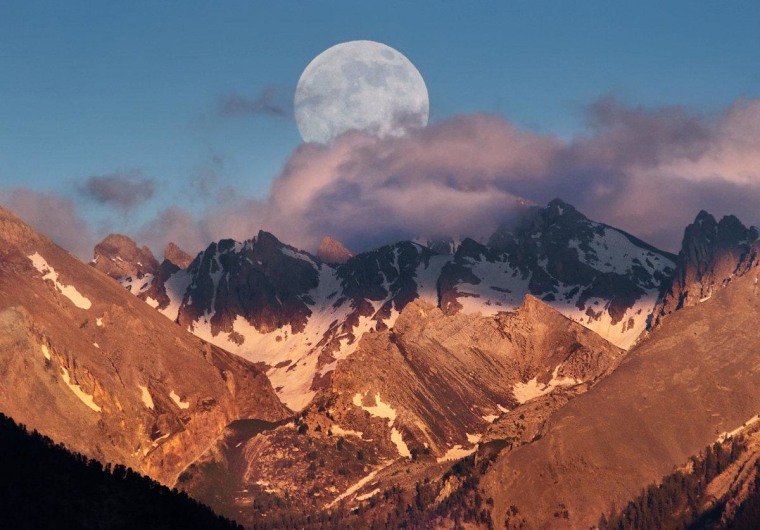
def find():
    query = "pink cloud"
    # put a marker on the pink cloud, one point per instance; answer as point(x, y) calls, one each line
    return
point(648, 171)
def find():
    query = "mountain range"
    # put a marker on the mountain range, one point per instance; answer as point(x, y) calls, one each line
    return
point(537, 379)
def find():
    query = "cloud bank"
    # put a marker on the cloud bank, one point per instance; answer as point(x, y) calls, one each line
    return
point(645, 170)
point(648, 171)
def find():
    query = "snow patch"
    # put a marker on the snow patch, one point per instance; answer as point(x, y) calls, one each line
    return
point(293, 358)
point(298, 255)
point(398, 441)
point(730, 434)
point(175, 286)
point(490, 418)
point(368, 495)
point(380, 410)
point(99, 322)
point(146, 397)
point(83, 396)
point(473, 438)
point(356, 487)
point(69, 291)
point(532, 389)
point(136, 284)
point(45, 352)
point(385, 411)
point(337, 430)
point(181, 404)
point(152, 302)
point(455, 453)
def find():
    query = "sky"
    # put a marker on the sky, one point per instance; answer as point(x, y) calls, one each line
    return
point(174, 120)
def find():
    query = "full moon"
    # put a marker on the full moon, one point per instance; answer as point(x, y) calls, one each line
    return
point(360, 85)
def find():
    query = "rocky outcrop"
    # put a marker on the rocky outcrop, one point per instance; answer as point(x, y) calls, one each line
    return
point(333, 251)
point(713, 254)
point(118, 256)
point(177, 256)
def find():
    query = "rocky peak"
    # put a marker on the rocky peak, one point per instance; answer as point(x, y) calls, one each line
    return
point(713, 253)
point(333, 251)
point(539, 227)
point(15, 231)
point(119, 256)
point(262, 280)
point(563, 258)
point(442, 245)
point(177, 256)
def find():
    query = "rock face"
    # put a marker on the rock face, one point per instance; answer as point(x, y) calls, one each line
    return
point(413, 398)
point(177, 256)
point(118, 256)
point(448, 375)
point(712, 255)
point(297, 316)
point(692, 379)
point(89, 365)
point(333, 251)
point(286, 309)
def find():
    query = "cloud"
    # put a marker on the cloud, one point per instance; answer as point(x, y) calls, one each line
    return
point(53, 216)
point(446, 179)
point(645, 170)
point(176, 226)
point(122, 189)
point(270, 102)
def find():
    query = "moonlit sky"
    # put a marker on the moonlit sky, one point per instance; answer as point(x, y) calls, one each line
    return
point(173, 120)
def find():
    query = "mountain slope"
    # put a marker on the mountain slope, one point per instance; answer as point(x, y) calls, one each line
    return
point(601, 277)
point(691, 380)
point(88, 364)
point(44, 486)
point(296, 315)
point(410, 400)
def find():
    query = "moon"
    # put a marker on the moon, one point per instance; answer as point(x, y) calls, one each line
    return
point(360, 85)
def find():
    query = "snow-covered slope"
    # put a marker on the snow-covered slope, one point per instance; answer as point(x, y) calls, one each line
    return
point(282, 307)
point(598, 276)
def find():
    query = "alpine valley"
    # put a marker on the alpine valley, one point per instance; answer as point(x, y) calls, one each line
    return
point(560, 374)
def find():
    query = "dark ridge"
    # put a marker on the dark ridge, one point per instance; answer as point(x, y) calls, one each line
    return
point(43, 485)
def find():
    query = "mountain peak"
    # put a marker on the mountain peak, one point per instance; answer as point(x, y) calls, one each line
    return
point(712, 255)
point(704, 217)
point(333, 251)
point(118, 256)
point(560, 206)
point(177, 256)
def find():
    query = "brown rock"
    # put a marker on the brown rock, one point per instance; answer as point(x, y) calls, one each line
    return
point(333, 251)
point(119, 256)
point(690, 380)
point(177, 256)
point(77, 350)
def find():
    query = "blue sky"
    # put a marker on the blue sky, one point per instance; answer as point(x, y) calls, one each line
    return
point(97, 88)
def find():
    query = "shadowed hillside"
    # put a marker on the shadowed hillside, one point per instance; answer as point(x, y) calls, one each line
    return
point(43, 485)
